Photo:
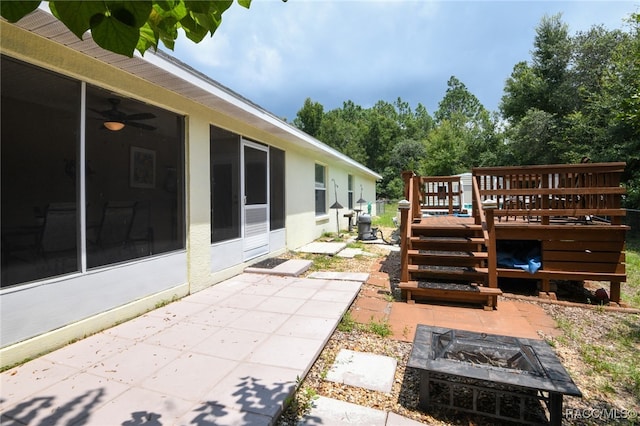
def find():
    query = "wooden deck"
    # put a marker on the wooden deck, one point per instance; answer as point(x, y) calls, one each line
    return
point(569, 215)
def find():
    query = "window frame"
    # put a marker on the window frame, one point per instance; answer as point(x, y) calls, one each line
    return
point(85, 174)
point(350, 192)
point(320, 190)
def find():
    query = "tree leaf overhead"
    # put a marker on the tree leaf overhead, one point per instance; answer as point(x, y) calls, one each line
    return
point(124, 26)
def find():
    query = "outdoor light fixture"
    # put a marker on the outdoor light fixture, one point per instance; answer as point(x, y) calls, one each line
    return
point(114, 126)
point(361, 200)
point(336, 205)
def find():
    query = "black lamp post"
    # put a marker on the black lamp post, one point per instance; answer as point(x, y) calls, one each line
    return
point(360, 201)
point(336, 205)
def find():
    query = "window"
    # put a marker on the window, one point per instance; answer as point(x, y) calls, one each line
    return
point(126, 216)
point(134, 190)
point(40, 136)
point(321, 190)
point(276, 193)
point(225, 185)
point(350, 192)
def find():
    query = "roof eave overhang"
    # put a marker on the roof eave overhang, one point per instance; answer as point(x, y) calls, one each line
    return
point(165, 71)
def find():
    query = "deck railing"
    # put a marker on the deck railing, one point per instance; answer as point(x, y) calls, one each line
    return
point(406, 218)
point(440, 193)
point(485, 218)
point(568, 191)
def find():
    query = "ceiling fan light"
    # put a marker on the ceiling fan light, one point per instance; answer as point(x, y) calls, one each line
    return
point(114, 126)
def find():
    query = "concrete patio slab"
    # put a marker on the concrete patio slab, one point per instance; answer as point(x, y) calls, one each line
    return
point(327, 411)
point(322, 248)
point(364, 370)
point(290, 268)
point(394, 419)
point(230, 354)
point(342, 276)
point(349, 253)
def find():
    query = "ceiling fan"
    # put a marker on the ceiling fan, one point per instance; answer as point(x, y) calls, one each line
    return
point(115, 120)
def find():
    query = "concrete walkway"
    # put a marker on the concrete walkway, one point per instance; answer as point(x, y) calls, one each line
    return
point(231, 354)
point(228, 355)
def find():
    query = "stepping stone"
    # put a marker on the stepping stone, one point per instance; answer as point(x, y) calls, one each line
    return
point(350, 253)
point(290, 268)
point(322, 248)
point(340, 276)
point(328, 411)
point(394, 419)
point(364, 370)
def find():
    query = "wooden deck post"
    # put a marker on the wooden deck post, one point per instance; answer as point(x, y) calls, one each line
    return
point(492, 256)
point(404, 245)
point(614, 290)
point(406, 176)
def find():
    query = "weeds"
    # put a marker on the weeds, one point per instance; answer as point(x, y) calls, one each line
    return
point(381, 328)
point(347, 323)
point(389, 297)
point(301, 401)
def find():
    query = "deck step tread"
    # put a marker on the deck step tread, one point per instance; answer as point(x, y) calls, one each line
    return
point(448, 286)
point(456, 270)
point(450, 254)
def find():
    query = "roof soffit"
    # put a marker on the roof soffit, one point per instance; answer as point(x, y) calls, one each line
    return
point(163, 70)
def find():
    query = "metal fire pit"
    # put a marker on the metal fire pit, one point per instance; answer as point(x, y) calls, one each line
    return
point(496, 376)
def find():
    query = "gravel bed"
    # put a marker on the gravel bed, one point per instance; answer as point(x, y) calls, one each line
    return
point(581, 327)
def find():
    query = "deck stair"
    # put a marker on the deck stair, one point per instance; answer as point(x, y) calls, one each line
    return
point(571, 214)
point(447, 263)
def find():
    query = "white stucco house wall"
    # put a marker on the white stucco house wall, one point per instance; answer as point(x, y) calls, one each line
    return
point(200, 182)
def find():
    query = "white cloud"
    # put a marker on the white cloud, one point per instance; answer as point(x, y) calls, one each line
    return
point(277, 54)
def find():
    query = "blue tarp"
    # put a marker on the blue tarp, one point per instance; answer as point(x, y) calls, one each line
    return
point(512, 256)
point(531, 265)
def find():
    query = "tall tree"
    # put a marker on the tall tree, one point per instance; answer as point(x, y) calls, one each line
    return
point(578, 96)
point(551, 57)
point(531, 139)
point(344, 129)
point(383, 129)
point(423, 123)
point(545, 84)
point(458, 102)
point(475, 129)
point(309, 117)
point(445, 148)
point(541, 95)
point(619, 105)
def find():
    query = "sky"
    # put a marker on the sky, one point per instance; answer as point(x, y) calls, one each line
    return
point(277, 54)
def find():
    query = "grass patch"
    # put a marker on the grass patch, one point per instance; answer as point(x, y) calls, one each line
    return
point(356, 245)
point(386, 219)
point(615, 357)
point(323, 263)
point(631, 289)
point(567, 328)
point(348, 324)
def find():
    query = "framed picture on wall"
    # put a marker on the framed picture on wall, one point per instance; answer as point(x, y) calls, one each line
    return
point(142, 172)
